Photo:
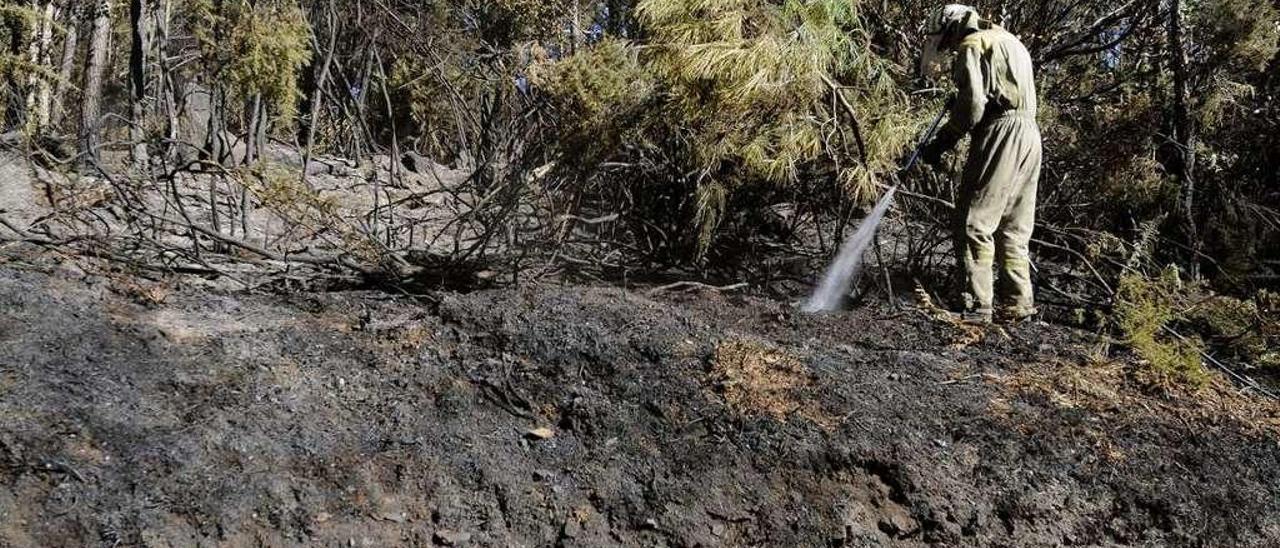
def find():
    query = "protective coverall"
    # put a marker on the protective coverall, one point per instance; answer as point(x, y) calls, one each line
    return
point(995, 216)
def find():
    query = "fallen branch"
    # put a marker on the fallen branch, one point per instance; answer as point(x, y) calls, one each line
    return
point(596, 221)
point(318, 260)
point(1085, 260)
point(918, 196)
point(27, 237)
point(1247, 382)
point(698, 285)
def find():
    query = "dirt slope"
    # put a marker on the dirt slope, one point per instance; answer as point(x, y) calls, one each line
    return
point(131, 414)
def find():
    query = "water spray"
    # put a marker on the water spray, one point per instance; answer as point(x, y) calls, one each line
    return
point(835, 283)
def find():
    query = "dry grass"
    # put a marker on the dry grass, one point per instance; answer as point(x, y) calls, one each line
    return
point(1115, 391)
point(144, 293)
point(756, 379)
point(965, 335)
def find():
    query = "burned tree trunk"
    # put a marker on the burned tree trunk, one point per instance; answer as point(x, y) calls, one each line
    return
point(1184, 131)
point(618, 18)
point(39, 94)
point(22, 46)
point(138, 81)
point(91, 112)
point(576, 38)
point(315, 95)
point(256, 120)
point(70, 45)
point(164, 83)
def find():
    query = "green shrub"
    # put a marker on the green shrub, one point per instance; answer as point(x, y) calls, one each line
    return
point(737, 97)
point(603, 87)
point(1144, 308)
point(1249, 330)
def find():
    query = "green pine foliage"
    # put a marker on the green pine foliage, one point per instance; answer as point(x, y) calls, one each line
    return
point(271, 47)
point(602, 86)
point(739, 95)
point(1240, 35)
point(1246, 332)
point(15, 27)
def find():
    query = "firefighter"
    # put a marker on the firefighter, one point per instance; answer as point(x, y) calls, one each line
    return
point(995, 211)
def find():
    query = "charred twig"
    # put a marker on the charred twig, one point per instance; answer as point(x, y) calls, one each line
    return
point(50, 466)
point(23, 236)
point(853, 117)
point(504, 397)
point(925, 197)
point(697, 285)
point(339, 260)
point(1084, 260)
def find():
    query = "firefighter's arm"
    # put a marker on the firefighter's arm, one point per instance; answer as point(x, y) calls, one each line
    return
point(970, 103)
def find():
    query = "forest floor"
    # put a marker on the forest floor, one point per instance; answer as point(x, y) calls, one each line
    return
point(136, 412)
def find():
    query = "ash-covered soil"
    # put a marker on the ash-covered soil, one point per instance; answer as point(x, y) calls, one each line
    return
point(135, 413)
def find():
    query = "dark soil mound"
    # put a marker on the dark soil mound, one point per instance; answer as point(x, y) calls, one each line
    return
point(133, 415)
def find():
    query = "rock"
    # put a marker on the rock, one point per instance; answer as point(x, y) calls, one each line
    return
point(70, 269)
point(571, 528)
point(21, 200)
point(235, 151)
point(717, 529)
point(418, 163)
point(898, 523)
point(330, 166)
point(445, 537)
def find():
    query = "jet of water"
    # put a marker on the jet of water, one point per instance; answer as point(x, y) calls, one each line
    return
point(842, 272)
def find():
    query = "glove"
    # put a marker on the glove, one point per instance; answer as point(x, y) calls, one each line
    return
point(932, 153)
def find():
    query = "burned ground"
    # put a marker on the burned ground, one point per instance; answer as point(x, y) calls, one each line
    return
point(138, 413)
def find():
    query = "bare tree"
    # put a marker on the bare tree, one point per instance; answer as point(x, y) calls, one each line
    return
point(1184, 134)
point(91, 113)
point(70, 44)
point(164, 84)
point(138, 81)
point(318, 83)
point(38, 91)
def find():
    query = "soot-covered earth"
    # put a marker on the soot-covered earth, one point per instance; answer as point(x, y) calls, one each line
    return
point(143, 413)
